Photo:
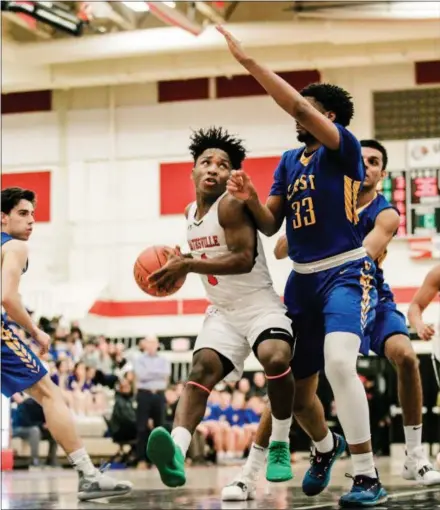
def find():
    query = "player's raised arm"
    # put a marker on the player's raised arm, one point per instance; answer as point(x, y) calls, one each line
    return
point(290, 100)
point(281, 250)
point(426, 293)
point(385, 227)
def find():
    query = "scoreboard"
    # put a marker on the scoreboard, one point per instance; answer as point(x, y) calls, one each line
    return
point(415, 194)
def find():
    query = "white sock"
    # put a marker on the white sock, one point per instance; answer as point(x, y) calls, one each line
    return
point(280, 429)
point(81, 461)
point(326, 445)
point(363, 464)
point(182, 438)
point(413, 437)
point(256, 458)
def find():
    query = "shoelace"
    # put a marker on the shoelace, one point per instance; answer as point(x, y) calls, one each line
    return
point(362, 483)
point(279, 454)
point(320, 462)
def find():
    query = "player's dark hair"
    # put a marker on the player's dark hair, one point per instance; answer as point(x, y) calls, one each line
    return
point(333, 98)
point(374, 144)
point(12, 196)
point(217, 138)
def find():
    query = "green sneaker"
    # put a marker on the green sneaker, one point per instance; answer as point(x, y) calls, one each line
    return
point(167, 456)
point(278, 462)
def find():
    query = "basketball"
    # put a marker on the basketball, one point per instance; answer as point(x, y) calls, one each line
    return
point(149, 261)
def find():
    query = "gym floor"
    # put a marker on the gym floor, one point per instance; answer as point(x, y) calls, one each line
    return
point(56, 489)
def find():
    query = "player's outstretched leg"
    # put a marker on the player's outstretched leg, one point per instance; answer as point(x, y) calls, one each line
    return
point(399, 351)
point(340, 354)
point(243, 487)
point(275, 356)
point(93, 483)
point(327, 446)
point(168, 451)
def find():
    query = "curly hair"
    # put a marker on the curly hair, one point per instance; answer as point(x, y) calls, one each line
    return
point(332, 98)
point(217, 138)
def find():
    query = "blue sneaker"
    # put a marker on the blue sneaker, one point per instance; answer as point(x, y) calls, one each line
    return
point(366, 491)
point(318, 476)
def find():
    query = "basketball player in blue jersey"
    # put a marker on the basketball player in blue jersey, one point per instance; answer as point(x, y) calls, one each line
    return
point(330, 293)
point(21, 370)
point(389, 336)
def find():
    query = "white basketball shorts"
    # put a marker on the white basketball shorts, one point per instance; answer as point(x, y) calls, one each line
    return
point(233, 331)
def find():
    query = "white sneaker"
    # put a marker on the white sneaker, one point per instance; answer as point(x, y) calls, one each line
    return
point(243, 488)
point(417, 467)
point(101, 486)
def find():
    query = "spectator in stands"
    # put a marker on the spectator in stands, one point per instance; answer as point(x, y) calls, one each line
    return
point(91, 355)
point(259, 387)
point(152, 373)
point(236, 416)
point(244, 386)
point(120, 363)
point(123, 419)
point(99, 400)
point(61, 377)
point(135, 352)
point(105, 364)
point(254, 410)
point(82, 400)
point(29, 424)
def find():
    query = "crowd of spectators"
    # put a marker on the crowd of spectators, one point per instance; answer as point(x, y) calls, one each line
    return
point(131, 390)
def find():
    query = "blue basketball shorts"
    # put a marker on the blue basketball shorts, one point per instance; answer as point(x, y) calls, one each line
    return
point(341, 299)
point(20, 368)
point(389, 322)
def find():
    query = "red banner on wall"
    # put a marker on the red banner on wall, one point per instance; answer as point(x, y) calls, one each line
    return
point(177, 187)
point(39, 182)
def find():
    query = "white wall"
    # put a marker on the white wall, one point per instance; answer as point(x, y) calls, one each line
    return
point(104, 147)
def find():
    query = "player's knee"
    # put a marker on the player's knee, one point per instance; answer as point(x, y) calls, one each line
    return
point(274, 358)
point(204, 374)
point(407, 360)
point(44, 390)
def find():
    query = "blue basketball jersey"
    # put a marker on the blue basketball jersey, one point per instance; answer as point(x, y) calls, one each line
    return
point(367, 220)
point(21, 368)
point(6, 238)
point(321, 193)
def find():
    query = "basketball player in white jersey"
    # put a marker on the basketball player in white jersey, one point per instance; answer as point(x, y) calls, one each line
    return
point(427, 292)
point(246, 314)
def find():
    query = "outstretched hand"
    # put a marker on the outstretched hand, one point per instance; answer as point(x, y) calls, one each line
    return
point(234, 45)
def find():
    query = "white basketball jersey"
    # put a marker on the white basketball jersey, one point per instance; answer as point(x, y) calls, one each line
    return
point(206, 239)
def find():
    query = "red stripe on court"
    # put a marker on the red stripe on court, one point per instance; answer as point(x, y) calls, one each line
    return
point(403, 295)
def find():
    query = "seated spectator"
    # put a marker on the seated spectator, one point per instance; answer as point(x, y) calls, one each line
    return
point(90, 355)
point(123, 419)
point(29, 424)
point(254, 410)
point(259, 388)
point(100, 403)
point(60, 376)
point(105, 363)
point(239, 440)
point(244, 386)
point(210, 427)
point(82, 399)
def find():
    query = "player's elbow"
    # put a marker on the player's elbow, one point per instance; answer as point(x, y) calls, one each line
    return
point(245, 262)
point(6, 301)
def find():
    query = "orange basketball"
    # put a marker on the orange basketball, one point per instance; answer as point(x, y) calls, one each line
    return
point(149, 261)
